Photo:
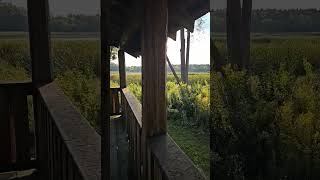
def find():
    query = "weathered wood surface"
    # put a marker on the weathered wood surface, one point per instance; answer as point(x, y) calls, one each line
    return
point(122, 69)
point(115, 101)
point(105, 42)
point(14, 125)
point(134, 105)
point(173, 163)
point(154, 52)
point(119, 149)
point(165, 160)
point(183, 56)
point(188, 55)
point(173, 71)
point(73, 147)
point(127, 21)
point(233, 31)
point(40, 51)
point(40, 45)
point(133, 118)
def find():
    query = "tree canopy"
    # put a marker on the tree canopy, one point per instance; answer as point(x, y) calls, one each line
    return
point(274, 20)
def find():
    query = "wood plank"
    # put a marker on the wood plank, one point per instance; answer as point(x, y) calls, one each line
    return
point(183, 55)
point(174, 163)
point(81, 140)
point(134, 106)
point(122, 69)
point(173, 71)
point(15, 134)
point(40, 51)
point(5, 150)
point(22, 133)
point(38, 17)
point(105, 88)
point(154, 48)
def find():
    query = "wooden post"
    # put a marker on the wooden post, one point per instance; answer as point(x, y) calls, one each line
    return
point(187, 55)
point(154, 47)
point(234, 31)
point(38, 13)
point(105, 89)
point(122, 69)
point(38, 17)
point(183, 56)
point(246, 29)
point(173, 71)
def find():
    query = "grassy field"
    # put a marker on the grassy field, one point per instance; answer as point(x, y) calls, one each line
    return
point(76, 69)
point(54, 35)
point(188, 114)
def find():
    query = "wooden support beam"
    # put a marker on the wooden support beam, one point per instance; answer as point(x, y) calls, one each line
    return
point(183, 55)
point(154, 47)
point(122, 69)
point(173, 71)
point(233, 31)
point(38, 18)
point(246, 32)
point(187, 56)
point(105, 88)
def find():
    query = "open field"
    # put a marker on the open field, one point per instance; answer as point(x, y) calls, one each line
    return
point(54, 35)
point(76, 71)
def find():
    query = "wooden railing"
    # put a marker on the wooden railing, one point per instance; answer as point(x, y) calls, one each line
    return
point(156, 157)
point(15, 136)
point(68, 147)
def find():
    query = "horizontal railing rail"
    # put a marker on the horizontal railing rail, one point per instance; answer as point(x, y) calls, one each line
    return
point(69, 148)
point(15, 136)
point(160, 157)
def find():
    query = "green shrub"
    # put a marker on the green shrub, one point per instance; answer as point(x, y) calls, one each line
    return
point(267, 120)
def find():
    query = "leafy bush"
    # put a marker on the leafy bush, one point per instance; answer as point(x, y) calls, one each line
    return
point(266, 123)
point(83, 91)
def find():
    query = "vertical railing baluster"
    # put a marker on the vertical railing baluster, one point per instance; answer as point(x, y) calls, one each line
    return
point(59, 175)
point(46, 133)
point(51, 149)
point(70, 168)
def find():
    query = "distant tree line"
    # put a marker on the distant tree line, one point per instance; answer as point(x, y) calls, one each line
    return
point(275, 20)
point(13, 18)
point(193, 68)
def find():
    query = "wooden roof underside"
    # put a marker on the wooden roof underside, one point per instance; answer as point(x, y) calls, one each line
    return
point(127, 15)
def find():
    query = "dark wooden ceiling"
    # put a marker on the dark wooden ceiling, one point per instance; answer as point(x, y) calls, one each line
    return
point(127, 15)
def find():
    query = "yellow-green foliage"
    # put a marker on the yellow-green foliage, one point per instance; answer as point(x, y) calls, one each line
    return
point(188, 105)
point(83, 91)
point(271, 116)
point(9, 72)
point(76, 68)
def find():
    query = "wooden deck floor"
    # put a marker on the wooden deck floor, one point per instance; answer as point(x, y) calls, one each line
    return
point(19, 175)
point(119, 149)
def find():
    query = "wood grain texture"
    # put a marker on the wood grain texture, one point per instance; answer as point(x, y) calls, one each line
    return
point(105, 87)
point(154, 50)
point(157, 157)
point(73, 142)
point(14, 124)
point(173, 162)
point(122, 69)
point(40, 45)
